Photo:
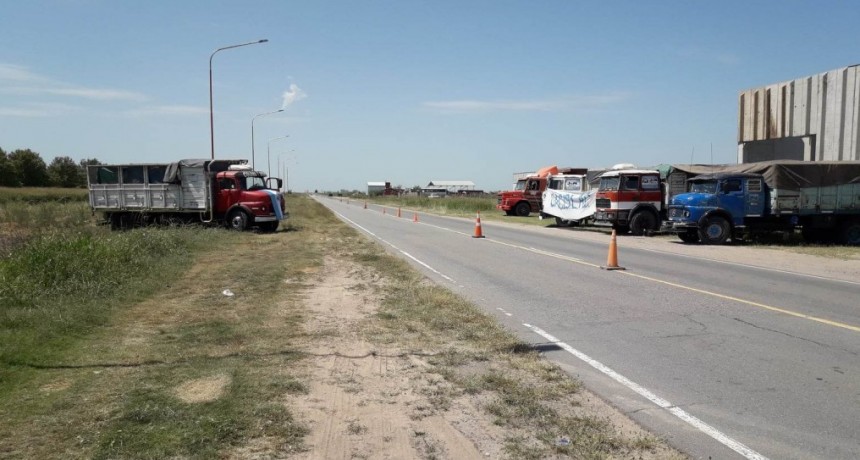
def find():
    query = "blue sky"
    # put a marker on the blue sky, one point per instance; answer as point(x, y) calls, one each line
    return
point(403, 91)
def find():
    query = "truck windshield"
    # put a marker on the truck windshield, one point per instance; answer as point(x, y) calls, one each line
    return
point(555, 184)
point(609, 183)
point(254, 183)
point(704, 187)
point(521, 185)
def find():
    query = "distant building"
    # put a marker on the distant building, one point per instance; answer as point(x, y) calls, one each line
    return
point(376, 188)
point(814, 118)
point(451, 187)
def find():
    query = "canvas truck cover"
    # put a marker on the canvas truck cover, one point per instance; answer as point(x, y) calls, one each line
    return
point(173, 173)
point(787, 175)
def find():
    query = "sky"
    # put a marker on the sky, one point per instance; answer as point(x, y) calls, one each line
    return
point(402, 91)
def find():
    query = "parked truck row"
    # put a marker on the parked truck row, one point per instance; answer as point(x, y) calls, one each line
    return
point(711, 204)
point(218, 192)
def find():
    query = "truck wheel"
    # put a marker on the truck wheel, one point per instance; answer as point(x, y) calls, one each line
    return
point(715, 231)
point(559, 222)
point(642, 222)
point(689, 236)
point(851, 234)
point(237, 220)
point(522, 209)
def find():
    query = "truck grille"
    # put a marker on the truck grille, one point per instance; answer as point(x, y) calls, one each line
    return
point(603, 203)
point(676, 212)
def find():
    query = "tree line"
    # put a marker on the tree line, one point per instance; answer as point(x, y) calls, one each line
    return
point(26, 168)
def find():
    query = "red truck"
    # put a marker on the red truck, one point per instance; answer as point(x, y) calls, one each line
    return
point(224, 192)
point(525, 198)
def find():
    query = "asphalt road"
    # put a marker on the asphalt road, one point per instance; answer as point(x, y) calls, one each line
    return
point(723, 360)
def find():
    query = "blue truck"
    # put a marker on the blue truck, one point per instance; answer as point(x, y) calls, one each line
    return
point(821, 199)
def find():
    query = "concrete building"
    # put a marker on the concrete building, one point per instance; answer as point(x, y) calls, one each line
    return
point(813, 118)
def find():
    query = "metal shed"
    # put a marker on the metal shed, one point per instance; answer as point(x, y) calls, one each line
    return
point(814, 118)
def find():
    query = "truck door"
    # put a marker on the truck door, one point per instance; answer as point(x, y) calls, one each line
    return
point(228, 194)
point(732, 199)
point(755, 199)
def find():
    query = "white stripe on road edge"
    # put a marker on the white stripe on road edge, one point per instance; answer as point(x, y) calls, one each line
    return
point(395, 247)
point(660, 402)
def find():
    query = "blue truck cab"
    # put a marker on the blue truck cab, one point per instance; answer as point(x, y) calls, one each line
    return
point(718, 206)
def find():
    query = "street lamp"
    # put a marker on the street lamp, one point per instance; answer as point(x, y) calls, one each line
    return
point(253, 164)
point(269, 154)
point(211, 116)
point(286, 170)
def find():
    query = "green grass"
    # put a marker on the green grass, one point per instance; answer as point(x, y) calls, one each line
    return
point(36, 195)
point(60, 285)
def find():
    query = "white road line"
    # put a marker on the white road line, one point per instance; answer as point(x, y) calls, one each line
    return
point(396, 248)
point(660, 402)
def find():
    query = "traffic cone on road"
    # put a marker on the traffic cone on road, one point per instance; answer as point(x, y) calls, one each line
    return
point(398, 212)
point(478, 232)
point(612, 258)
point(414, 217)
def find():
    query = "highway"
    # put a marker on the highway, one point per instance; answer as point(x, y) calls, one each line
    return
point(724, 360)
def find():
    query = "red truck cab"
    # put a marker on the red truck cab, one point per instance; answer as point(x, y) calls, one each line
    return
point(244, 199)
point(525, 198)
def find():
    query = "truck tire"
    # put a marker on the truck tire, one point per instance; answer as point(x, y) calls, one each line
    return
point(642, 222)
point(238, 220)
point(689, 236)
point(716, 230)
point(851, 233)
point(559, 222)
point(522, 209)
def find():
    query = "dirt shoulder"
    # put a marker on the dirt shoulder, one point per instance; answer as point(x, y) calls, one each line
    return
point(382, 395)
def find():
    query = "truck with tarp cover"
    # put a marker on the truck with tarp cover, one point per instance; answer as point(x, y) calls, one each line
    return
point(222, 192)
point(821, 198)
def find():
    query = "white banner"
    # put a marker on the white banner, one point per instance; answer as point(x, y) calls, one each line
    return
point(569, 205)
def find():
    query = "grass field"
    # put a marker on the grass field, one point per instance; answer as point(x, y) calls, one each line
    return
point(182, 343)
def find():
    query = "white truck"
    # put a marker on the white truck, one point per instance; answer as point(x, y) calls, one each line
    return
point(568, 198)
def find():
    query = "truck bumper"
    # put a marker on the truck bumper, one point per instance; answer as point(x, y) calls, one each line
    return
point(669, 226)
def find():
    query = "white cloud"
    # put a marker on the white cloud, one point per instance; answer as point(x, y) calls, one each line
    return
point(538, 105)
point(36, 110)
point(292, 95)
point(40, 85)
point(178, 110)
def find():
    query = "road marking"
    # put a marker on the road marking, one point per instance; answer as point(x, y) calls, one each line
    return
point(748, 302)
point(647, 394)
point(756, 267)
point(396, 248)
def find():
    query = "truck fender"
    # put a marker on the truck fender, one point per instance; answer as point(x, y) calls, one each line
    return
point(243, 208)
point(715, 212)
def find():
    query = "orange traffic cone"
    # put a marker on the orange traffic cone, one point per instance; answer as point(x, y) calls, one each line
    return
point(414, 217)
point(612, 258)
point(398, 212)
point(478, 232)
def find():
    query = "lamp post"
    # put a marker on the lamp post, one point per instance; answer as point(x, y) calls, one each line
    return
point(211, 116)
point(269, 153)
point(253, 163)
point(286, 170)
